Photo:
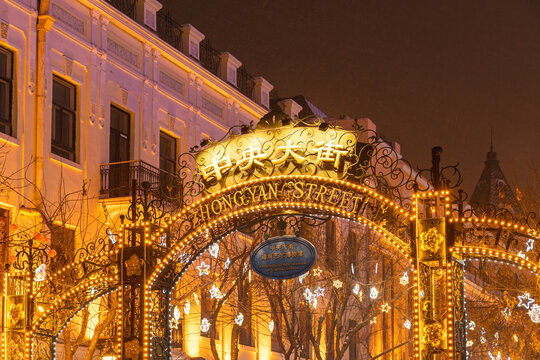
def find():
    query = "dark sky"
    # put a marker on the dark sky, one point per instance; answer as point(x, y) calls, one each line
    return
point(426, 72)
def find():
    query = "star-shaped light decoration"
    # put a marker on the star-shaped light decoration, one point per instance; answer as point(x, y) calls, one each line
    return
point(216, 293)
point(205, 325)
point(521, 254)
point(227, 263)
point(337, 284)
point(203, 269)
point(239, 319)
point(404, 280)
point(530, 245)
point(187, 307)
point(302, 277)
point(385, 307)
point(356, 289)
point(525, 301)
point(469, 343)
point(534, 313)
point(407, 324)
point(318, 292)
point(308, 295)
point(214, 250)
point(317, 271)
point(373, 293)
point(373, 321)
point(271, 326)
point(471, 325)
point(507, 312)
point(196, 298)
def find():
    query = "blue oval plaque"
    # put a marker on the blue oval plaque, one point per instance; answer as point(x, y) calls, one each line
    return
point(283, 257)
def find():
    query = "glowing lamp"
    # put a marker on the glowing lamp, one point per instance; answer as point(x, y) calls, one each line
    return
point(109, 355)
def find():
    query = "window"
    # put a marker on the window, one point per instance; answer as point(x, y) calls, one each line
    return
point(167, 153)
point(64, 126)
point(6, 91)
point(63, 242)
point(120, 174)
point(167, 164)
point(119, 149)
point(245, 336)
point(331, 251)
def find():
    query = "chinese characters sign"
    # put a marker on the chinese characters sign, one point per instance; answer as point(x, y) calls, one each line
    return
point(278, 151)
point(283, 257)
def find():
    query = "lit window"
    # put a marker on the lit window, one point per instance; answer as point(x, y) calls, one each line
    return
point(64, 126)
point(6, 91)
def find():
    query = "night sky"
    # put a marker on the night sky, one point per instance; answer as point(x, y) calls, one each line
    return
point(426, 72)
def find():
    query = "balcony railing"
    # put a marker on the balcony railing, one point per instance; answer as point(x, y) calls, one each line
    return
point(117, 180)
point(170, 31)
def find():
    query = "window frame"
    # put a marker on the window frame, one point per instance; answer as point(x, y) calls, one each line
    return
point(175, 150)
point(9, 81)
point(62, 150)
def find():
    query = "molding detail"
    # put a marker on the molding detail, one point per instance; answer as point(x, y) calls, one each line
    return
point(122, 52)
point(4, 27)
point(171, 82)
point(211, 106)
point(67, 18)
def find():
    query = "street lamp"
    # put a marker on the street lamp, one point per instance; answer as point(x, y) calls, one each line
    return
point(109, 355)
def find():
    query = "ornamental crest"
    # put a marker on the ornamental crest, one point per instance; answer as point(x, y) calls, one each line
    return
point(433, 335)
point(134, 265)
point(132, 349)
point(431, 240)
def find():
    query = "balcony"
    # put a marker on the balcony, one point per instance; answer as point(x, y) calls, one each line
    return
point(118, 179)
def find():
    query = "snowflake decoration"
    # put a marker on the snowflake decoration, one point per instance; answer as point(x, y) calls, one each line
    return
point(404, 280)
point(216, 293)
point(525, 301)
point(214, 250)
point(422, 294)
point(318, 292)
point(203, 269)
point(356, 289)
point(373, 293)
point(302, 277)
point(196, 298)
point(385, 307)
point(534, 313)
point(472, 325)
point(482, 339)
point(163, 240)
point(239, 319)
point(205, 325)
point(407, 324)
point(317, 271)
point(271, 326)
point(530, 245)
point(176, 313)
point(373, 321)
point(507, 312)
point(112, 237)
point(337, 284)
point(227, 263)
point(470, 343)
point(187, 307)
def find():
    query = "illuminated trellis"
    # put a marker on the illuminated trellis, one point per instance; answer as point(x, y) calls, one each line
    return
point(153, 252)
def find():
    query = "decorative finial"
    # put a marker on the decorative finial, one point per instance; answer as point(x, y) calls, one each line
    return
point(491, 145)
